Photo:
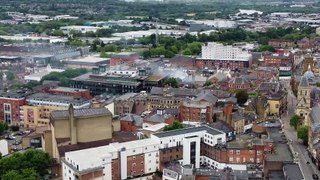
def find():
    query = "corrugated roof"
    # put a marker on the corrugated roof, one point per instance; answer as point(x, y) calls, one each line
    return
point(80, 113)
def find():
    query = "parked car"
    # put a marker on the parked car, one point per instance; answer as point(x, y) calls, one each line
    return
point(315, 176)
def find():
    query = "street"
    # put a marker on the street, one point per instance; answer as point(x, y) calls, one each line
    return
point(291, 134)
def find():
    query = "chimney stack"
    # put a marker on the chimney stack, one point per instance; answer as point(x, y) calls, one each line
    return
point(73, 125)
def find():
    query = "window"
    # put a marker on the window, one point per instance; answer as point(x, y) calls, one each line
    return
point(244, 159)
point(231, 151)
point(238, 152)
point(231, 159)
point(238, 160)
point(258, 152)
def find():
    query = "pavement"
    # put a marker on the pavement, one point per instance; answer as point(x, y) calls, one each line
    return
point(291, 134)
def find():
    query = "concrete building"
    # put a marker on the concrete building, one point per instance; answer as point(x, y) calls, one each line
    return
point(88, 62)
point(82, 29)
point(11, 108)
point(220, 56)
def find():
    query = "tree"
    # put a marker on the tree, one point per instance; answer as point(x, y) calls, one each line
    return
point(265, 48)
point(30, 164)
point(303, 134)
point(242, 97)
point(3, 127)
point(173, 82)
point(173, 126)
point(14, 128)
point(207, 83)
point(187, 52)
point(26, 174)
point(295, 121)
point(10, 76)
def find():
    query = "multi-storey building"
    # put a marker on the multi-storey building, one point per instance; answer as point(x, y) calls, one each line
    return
point(196, 146)
point(11, 108)
point(66, 91)
point(280, 43)
point(278, 59)
point(99, 82)
point(196, 111)
point(220, 56)
point(303, 108)
point(37, 110)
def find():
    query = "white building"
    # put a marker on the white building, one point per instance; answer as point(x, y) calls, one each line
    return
point(216, 51)
point(43, 99)
point(37, 76)
point(82, 29)
point(141, 157)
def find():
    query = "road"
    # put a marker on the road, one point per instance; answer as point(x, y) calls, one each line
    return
point(291, 134)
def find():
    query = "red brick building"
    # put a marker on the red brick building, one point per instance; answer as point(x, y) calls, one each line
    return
point(131, 123)
point(278, 59)
point(280, 43)
point(10, 108)
point(239, 83)
point(124, 58)
point(233, 65)
point(196, 111)
point(85, 93)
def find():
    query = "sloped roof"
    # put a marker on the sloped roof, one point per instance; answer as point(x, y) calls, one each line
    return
point(239, 80)
point(81, 113)
point(304, 82)
point(207, 96)
point(136, 119)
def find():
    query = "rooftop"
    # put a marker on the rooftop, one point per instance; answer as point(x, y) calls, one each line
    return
point(51, 98)
point(67, 89)
point(293, 171)
point(81, 113)
point(281, 154)
point(88, 60)
point(206, 128)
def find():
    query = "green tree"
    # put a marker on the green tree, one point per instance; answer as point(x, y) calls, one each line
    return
point(173, 126)
point(187, 52)
point(37, 160)
point(14, 128)
point(26, 174)
point(10, 76)
point(76, 42)
point(242, 96)
point(207, 83)
point(295, 121)
point(3, 127)
point(264, 48)
point(303, 134)
point(173, 82)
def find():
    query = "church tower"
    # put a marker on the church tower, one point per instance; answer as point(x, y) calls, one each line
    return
point(303, 107)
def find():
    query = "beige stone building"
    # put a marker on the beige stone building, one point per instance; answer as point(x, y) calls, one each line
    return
point(304, 99)
point(70, 127)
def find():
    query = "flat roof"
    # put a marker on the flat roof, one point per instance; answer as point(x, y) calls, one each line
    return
point(57, 98)
point(176, 132)
point(67, 89)
point(92, 59)
point(79, 113)
point(293, 171)
point(281, 154)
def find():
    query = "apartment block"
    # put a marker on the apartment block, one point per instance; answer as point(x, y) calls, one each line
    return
point(11, 108)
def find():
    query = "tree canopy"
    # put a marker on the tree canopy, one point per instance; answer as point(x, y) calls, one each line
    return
point(242, 96)
point(28, 165)
point(295, 121)
point(175, 125)
point(173, 82)
point(303, 134)
point(65, 76)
